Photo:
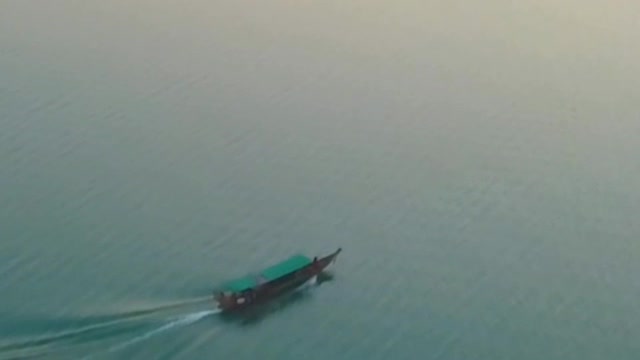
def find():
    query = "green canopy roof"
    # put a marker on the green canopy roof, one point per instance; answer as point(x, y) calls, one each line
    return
point(274, 272)
point(290, 265)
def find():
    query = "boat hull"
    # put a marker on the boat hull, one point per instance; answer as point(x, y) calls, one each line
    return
point(269, 290)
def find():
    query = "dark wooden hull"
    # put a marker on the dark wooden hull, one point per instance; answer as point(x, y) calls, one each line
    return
point(274, 288)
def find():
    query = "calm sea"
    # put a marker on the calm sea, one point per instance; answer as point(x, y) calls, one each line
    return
point(478, 162)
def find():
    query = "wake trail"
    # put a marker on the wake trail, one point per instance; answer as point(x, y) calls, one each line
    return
point(126, 321)
point(105, 326)
point(181, 321)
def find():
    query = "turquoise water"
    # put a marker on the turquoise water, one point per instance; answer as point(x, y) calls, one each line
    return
point(478, 164)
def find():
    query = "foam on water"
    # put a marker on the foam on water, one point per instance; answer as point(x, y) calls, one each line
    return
point(180, 321)
point(124, 321)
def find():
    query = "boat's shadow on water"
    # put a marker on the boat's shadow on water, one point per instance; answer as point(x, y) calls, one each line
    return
point(260, 311)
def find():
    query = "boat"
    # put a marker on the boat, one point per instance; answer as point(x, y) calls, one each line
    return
point(272, 281)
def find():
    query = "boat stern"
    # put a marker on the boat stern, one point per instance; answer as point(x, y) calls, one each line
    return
point(223, 302)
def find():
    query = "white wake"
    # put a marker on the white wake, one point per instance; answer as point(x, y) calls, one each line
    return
point(183, 320)
point(180, 321)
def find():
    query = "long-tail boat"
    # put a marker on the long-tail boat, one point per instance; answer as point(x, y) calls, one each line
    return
point(272, 281)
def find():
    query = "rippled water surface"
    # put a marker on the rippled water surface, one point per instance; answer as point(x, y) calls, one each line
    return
point(477, 161)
